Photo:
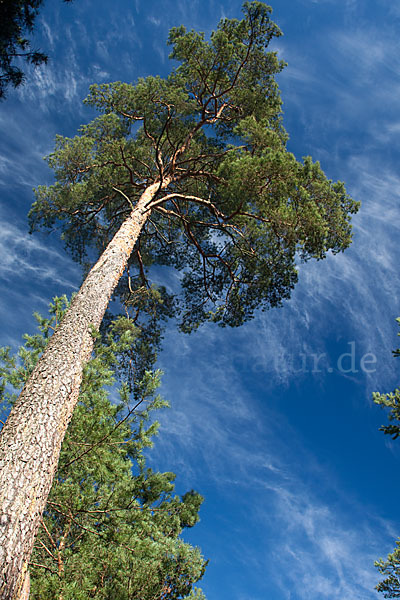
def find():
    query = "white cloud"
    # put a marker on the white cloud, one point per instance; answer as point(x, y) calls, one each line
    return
point(24, 256)
point(154, 21)
point(320, 554)
point(49, 33)
point(301, 531)
point(216, 431)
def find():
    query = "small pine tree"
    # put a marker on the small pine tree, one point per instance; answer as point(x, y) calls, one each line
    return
point(390, 568)
point(112, 526)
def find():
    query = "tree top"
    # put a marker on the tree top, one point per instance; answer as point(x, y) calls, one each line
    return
point(234, 211)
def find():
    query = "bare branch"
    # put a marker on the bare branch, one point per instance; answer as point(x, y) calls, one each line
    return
point(47, 550)
point(141, 268)
point(119, 423)
point(153, 204)
point(40, 566)
point(43, 524)
point(125, 196)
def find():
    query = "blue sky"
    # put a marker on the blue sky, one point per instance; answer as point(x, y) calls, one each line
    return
point(273, 423)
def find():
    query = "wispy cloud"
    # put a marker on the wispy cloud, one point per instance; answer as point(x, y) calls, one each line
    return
point(301, 531)
point(288, 520)
point(320, 552)
point(154, 20)
point(31, 273)
point(23, 255)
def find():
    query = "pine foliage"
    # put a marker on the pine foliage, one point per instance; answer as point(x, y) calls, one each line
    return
point(234, 211)
point(390, 568)
point(112, 526)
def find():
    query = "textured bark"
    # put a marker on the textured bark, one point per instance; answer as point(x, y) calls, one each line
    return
point(31, 439)
point(26, 588)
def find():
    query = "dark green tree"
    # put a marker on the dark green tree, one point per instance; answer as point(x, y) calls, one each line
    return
point(390, 568)
point(190, 172)
point(111, 527)
point(17, 20)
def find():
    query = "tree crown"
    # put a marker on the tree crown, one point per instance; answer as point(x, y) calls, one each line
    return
point(17, 18)
point(234, 210)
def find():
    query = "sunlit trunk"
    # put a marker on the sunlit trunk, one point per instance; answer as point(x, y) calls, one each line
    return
point(31, 438)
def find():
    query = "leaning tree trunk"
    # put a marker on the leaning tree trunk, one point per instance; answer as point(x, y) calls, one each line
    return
point(31, 439)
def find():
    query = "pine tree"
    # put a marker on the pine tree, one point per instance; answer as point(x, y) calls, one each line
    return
point(111, 527)
point(17, 19)
point(390, 568)
point(190, 171)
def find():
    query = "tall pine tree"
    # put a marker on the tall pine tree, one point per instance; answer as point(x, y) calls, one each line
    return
point(191, 171)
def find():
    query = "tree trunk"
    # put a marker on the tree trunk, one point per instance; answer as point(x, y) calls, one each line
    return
point(26, 588)
point(31, 439)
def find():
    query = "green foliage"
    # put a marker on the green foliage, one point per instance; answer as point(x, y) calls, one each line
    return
point(112, 526)
point(390, 568)
point(17, 18)
point(391, 400)
point(235, 211)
